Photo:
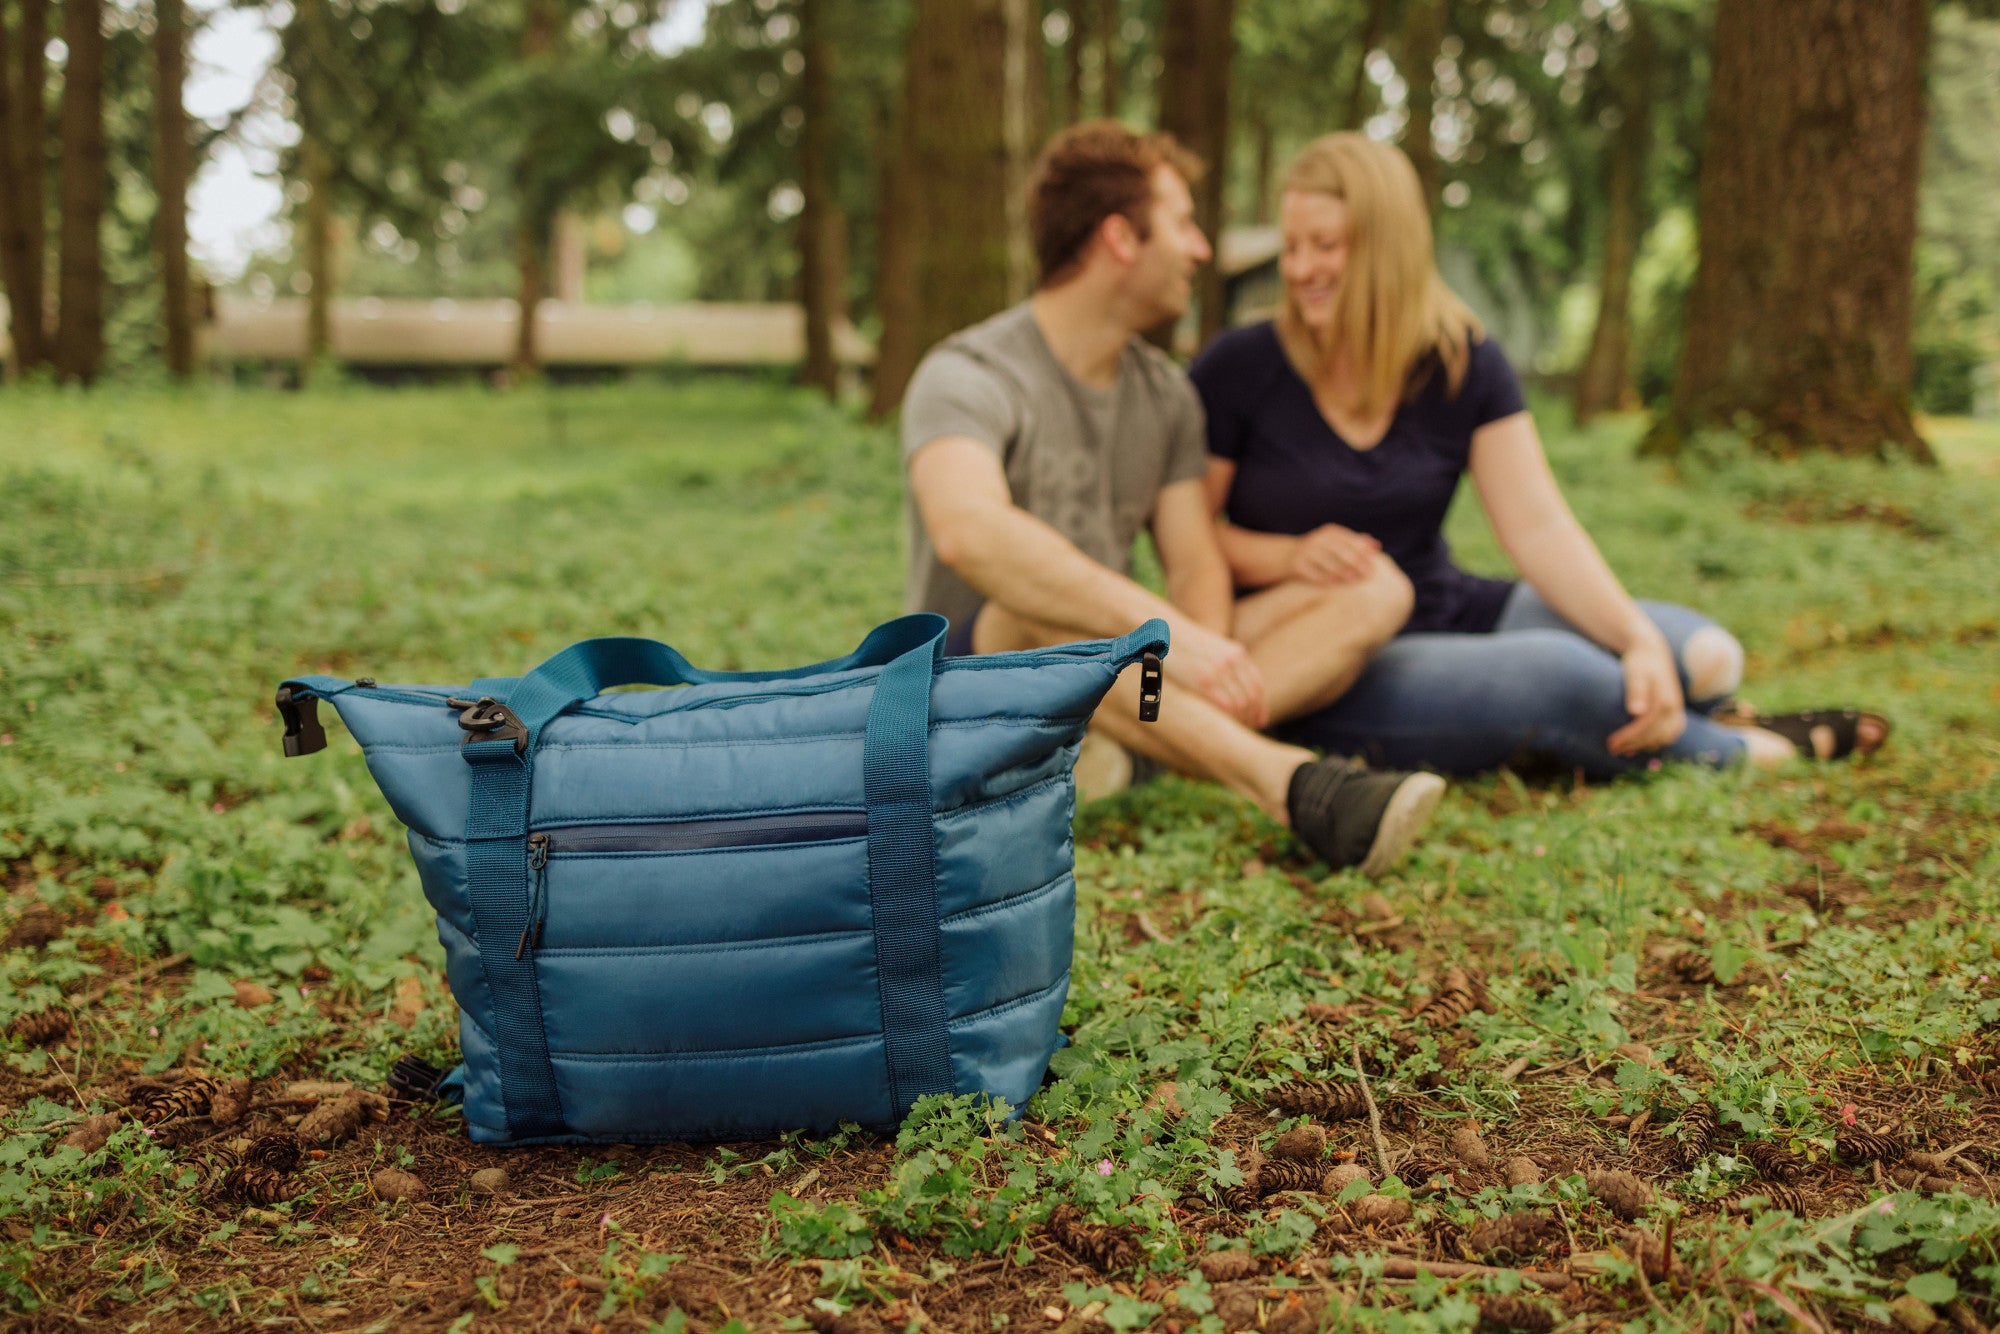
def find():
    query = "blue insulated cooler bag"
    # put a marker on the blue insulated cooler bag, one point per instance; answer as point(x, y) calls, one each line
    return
point(766, 901)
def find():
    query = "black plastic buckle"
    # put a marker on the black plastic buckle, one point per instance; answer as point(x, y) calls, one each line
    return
point(487, 719)
point(303, 734)
point(1149, 688)
point(413, 1079)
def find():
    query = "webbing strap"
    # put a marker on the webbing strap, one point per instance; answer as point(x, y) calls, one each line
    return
point(496, 872)
point(901, 871)
point(902, 879)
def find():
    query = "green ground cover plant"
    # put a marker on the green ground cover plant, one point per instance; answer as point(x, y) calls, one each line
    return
point(1779, 994)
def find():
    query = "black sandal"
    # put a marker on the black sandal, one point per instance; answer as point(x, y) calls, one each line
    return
point(1843, 724)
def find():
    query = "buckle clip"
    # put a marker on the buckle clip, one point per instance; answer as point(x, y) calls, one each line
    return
point(487, 719)
point(303, 733)
point(1149, 688)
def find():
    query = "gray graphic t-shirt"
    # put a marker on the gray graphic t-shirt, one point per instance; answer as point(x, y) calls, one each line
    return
point(1088, 462)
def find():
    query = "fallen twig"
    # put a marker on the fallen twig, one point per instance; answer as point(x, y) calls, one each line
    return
point(1149, 931)
point(1393, 1267)
point(1374, 1113)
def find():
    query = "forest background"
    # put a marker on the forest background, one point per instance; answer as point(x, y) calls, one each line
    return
point(865, 159)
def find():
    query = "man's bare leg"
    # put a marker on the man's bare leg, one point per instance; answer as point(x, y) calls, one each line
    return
point(1192, 736)
point(1312, 640)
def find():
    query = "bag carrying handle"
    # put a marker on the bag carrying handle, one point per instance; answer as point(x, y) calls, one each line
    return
point(588, 668)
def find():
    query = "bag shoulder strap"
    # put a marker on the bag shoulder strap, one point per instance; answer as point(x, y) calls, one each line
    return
point(902, 884)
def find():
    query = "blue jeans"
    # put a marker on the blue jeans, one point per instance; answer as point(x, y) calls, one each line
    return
point(1533, 688)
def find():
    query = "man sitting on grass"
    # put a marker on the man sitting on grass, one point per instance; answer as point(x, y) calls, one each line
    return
point(1039, 442)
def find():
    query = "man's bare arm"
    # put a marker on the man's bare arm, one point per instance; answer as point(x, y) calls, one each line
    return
point(1026, 566)
point(1198, 579)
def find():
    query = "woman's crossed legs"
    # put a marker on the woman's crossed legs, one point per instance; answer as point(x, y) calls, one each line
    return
point(1535, 686)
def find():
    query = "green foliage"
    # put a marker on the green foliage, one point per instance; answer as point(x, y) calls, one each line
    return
point(165, 558)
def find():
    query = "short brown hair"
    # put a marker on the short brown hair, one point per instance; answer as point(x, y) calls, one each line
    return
point(1086, 174)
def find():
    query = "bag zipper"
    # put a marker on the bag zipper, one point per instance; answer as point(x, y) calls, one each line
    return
point(672, 836)
point(735, 831)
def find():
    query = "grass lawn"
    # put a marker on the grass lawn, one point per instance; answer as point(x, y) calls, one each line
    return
point(1713, 982)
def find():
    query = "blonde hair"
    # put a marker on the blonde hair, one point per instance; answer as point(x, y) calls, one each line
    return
point(1392, 308)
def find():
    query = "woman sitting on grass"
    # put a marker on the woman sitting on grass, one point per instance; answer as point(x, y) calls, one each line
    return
point(1341, 430)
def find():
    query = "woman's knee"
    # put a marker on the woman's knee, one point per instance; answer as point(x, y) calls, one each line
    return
point(1388, 598)
point(1713, 662)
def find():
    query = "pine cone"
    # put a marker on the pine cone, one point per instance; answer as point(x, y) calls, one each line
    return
point(1282, 1174)
point(1103, 1248)
point(184, 1131)
point(43, 1028)
point(1697, 1133)
point(1321, 1099)
point(1774, 1163)
point(230, 1102)
point(1457, 996)
point(1515, 1313)
point(280, 1151)
point(260, 1185)
point(155, 1104)
point(1512, 1236)
point(1243, 1199)
point(826, 1322)
point(1775, 1196)
point(1692, 966)
point(1865, 1147)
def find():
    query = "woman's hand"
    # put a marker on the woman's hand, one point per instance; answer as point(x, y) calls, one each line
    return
point(1652, 696)
point(1330, 554)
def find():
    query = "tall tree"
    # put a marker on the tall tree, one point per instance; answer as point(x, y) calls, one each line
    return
point(23, 180)
point(1605, 381)
point(536, 195)
point(1198, 48)
point(1110, 66)
point(1424, 23)
point(85, 181)
point(1799, 321)
point(1372, 29)
point(822, 284)
point(897, 350)
point(960, 150)
point(172, 165)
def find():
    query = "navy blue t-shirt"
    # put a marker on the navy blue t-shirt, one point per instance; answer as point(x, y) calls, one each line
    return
point(1294, 472)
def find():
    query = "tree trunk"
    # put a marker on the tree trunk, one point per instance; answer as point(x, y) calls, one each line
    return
point(84, 184)
point(24, 149)
point(1423, 37)
point(537, 210)
point(1799, 322)
point(1073, 66)
point(317, 166)
point(1605, 383)
point(961, 152)
point(819, 283)
point(895, 252)
point(1263, 150)
point(172, 166)
point(1198, 47)
point(10, 259)
point(1109, 66)
point(1372, 30)
point(1023, 126)
point(531, 244)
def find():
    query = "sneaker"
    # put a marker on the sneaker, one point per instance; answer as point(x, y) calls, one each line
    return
point(1352, 816)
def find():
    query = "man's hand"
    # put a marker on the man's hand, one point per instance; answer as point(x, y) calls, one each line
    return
point(1330, 554)
point(1220, 670)
point(1652, 696)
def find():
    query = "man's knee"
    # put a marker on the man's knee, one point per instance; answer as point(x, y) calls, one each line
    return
point(1713, 661)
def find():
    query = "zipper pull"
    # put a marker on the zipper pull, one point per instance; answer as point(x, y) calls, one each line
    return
point(538, 862)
